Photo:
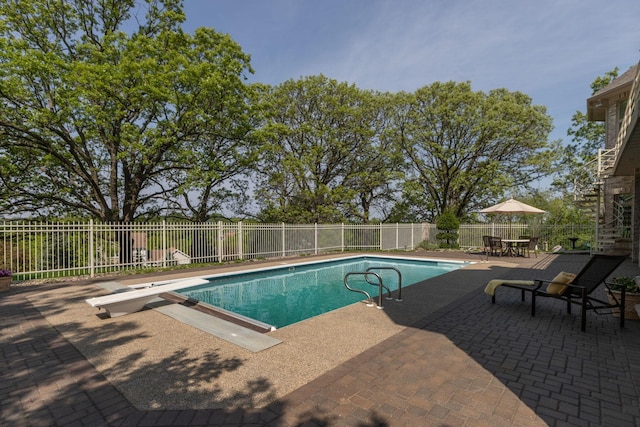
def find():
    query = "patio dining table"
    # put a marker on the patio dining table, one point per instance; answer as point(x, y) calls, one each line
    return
point(513, 245)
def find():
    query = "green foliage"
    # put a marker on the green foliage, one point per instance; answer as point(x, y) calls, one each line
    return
point(428, 246)
point(325, 159)
point(408, 208)
point(449, 224)
point(626, 283)
point(115, 118)
point(447, 221)
point(464, 148)
point(601, 81)
point(104, 121)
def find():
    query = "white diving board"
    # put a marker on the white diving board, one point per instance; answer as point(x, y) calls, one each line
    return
point(121, 303)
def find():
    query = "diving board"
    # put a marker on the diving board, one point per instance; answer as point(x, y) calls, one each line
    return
point(121, 303)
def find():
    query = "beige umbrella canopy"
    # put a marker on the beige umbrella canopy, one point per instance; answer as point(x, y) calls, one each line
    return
point(512, 206)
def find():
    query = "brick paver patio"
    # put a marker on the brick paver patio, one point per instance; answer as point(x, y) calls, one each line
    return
point(470, 363)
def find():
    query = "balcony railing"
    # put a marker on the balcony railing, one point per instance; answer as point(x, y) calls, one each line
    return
point(607, 158)
point(606, 161)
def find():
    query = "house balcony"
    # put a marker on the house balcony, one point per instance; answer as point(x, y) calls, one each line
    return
point(623, 159)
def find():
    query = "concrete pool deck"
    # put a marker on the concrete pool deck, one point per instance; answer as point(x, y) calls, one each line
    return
point(444, 356)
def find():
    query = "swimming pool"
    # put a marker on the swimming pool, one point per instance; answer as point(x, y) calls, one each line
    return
point(285, 295)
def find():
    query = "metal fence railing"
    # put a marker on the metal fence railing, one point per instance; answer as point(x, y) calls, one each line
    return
point(549, 236)
point(44, 250)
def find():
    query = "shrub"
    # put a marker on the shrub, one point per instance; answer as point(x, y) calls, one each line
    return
point(449, 225)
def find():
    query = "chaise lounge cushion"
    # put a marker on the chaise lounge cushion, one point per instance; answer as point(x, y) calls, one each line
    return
point(490, 289)
point(558, 285)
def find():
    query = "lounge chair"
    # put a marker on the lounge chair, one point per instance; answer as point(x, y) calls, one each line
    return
point(574, 289)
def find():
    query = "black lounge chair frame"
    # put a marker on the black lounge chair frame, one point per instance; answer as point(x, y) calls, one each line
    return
point(594, 273)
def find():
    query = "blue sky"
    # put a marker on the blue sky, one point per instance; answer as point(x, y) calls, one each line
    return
point(549, 49)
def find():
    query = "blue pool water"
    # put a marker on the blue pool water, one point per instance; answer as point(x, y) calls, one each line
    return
point(282, 296)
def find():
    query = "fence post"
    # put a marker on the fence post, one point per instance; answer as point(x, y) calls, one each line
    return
point(240, 240)
point(284, 241)
point(92, 267)
point(164, 242)
point(220, 243)
point(315, 237)
point(342, 237)
point(412, 243)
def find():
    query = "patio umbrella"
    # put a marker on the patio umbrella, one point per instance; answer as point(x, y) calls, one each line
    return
point(511, 207)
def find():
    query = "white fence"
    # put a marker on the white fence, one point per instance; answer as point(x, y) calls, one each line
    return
point(549, 236)
point(44, 250)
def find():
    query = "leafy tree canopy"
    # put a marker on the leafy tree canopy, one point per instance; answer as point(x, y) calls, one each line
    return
point(110, 110)
point(325, 160)
point(100, 104)
point(466, 148)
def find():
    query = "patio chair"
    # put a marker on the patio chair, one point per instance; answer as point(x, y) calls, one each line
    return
point(529, 246)
point(495, 246)
point(486, 245)
point(574, 289)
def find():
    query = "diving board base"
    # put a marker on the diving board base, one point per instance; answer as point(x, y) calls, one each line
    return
point(236, 334)
point(121, 308)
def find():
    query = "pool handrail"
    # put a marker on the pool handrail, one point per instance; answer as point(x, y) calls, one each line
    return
point(399, 280)
point(365, 273)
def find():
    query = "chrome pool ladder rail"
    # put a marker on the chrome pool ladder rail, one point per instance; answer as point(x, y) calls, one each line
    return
point(365, 274)
point(399, 280)
point(366, 278)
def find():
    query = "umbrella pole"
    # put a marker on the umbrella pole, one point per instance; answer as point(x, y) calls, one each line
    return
point(511, 226)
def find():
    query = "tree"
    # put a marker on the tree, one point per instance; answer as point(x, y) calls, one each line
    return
point(464, 148)
point(378, 166)
point(324, 160)
point(98, 120)
point(214, 175)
